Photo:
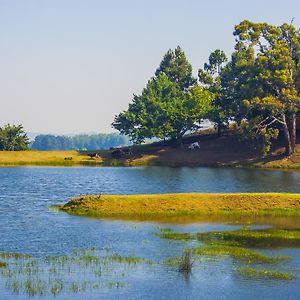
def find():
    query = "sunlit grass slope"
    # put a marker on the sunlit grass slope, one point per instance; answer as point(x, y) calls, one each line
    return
point(8, 158)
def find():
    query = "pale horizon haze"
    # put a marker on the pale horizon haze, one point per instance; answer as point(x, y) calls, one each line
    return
point(69, 66)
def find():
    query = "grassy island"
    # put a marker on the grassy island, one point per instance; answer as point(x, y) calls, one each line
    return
point(192, 204)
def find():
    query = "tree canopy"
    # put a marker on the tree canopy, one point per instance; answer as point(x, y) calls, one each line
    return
point(170, 105)
point(258, 89)
point(13, 138)
point(274, 101)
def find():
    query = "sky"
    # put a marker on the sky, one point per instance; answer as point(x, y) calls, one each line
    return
point(69, 66)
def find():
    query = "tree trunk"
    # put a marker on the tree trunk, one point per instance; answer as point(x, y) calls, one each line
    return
point(293, 131)
point(287, 137)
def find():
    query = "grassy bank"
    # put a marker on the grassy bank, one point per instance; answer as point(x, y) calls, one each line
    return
point(45, 158)
point(170, 205)
point(214, 151)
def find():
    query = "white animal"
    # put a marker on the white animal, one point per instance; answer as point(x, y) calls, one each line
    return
point(194, 146)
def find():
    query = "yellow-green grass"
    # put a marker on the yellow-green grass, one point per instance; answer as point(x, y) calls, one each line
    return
point(253, 238)
point(169, 205)
point(2, 264)
point(253, 273)
point(48, 158)
point(236, 252)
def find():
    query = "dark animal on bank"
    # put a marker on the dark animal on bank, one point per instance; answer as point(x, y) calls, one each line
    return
point(69, 158)
point(94, 155)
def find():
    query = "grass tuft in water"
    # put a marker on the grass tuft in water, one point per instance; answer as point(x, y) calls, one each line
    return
point(175, 236)
point(7, 255)
point(57, 274)
point(2, 264)
point(238, 253)
point(186, 262)
point(252, 273)
point(255, 238)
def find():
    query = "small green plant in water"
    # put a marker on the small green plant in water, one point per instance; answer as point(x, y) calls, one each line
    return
point(238, 253)
point(264, 274)
point(3, 264)
point(186, 262)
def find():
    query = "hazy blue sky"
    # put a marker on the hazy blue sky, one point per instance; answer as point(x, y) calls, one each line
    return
point(68, 66)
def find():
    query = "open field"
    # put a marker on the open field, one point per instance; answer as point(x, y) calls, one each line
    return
point(47, 158)
point(164, 205)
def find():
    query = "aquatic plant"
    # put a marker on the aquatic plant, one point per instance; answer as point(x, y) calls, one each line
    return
point(2, 264)
point(236, 252)
point(175, 236)
point(186, 262)
point(264, 274)
point(255, 238)
point(14, 255)
point(66, 273)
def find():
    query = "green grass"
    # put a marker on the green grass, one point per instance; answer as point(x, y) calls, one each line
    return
point(264, 274)
point(193, 204)
point(14, 255)
point(238, 253)
point(2, 264)
point(175, 236)
point(84, 269)
point(235, 244)
point(255, 238)
point(45, 158)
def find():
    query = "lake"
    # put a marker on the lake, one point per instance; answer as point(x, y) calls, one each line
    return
point(28, 226)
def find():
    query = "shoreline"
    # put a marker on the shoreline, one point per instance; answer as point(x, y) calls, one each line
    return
point(148, 155)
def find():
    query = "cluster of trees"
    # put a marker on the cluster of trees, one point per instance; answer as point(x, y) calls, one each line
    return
point(13, 138)
point(258, 89)
point(171, 104)
point(79, 142)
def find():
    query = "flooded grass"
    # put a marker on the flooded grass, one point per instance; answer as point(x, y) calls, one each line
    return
point(2, 264)
point(175, 236)
point(235, 245)
point(7, 255)
point(84, 269)
point(253, 273)
point(186, 262)
point(255, 238)
point(238, 253)
point(263, 238)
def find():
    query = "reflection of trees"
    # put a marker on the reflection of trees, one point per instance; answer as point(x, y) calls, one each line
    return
point(186, 179)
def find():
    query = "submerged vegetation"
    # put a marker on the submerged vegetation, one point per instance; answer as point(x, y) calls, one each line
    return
point(238, 245)
point(168, 205)
point(253, 273)
point(238, 253)
point(85, 269)
point(186, 262)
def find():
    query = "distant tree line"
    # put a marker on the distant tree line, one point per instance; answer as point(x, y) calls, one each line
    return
point(258, 89)
point(79, 142)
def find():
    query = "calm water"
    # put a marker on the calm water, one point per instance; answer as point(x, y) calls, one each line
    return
point(28, 226)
